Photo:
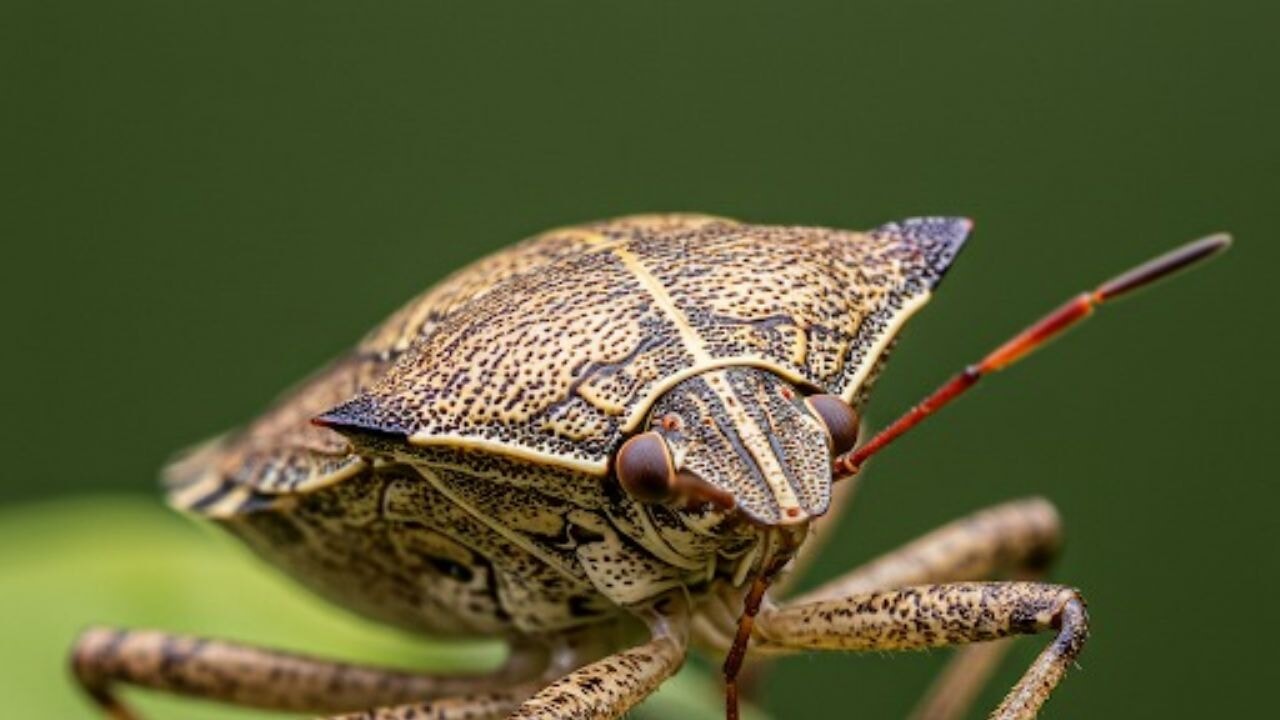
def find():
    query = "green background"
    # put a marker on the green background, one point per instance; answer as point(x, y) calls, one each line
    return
point(202, 201)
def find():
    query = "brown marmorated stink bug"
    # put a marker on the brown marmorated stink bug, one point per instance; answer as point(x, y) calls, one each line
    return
point(602, 445)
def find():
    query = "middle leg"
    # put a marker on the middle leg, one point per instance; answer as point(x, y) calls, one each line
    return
point(611, 687)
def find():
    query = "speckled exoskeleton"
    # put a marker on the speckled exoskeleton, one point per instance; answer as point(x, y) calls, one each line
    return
point(603, 445)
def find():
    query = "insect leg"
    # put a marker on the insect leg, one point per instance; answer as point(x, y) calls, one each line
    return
point(1015, 539)
point(611, 687)
point(258, 677)
point(925, 616)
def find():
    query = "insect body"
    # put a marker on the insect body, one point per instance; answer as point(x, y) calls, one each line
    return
point(603, 444)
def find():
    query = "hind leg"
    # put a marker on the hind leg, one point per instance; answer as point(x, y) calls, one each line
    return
point(257, 677)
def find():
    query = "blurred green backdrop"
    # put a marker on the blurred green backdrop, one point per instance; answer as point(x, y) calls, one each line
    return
point(202, 201)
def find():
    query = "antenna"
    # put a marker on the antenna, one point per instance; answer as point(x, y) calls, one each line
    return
point(1034, 336)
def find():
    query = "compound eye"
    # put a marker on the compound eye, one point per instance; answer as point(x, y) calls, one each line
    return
point(840, 420)
point(645, 468)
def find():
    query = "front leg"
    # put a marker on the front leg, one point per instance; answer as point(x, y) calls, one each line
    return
point(609, 688)
point(1017, 540)
point(940, 615)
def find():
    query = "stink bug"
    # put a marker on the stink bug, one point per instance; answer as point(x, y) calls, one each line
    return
point(603, 445)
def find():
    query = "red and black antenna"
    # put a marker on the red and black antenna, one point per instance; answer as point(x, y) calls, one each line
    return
point(1034, 336)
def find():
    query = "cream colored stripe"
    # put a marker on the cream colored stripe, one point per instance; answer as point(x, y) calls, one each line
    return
point(886, 336)
point(753, 436)
point(183, 498)
point(661, 298)
point(229, 504)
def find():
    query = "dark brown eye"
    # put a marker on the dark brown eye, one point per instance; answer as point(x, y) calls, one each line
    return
point(840, 419)
point(645, 468)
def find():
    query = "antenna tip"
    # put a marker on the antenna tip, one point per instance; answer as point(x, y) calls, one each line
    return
point(1219, 241)
point(1152, 270)
point(1198, 250)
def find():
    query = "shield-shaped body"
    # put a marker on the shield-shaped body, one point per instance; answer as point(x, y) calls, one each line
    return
point(454, 473)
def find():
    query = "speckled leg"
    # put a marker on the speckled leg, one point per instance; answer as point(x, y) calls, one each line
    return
point(608, 688)
point(940, 615)
point(1017, 539)
point(256, 677)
